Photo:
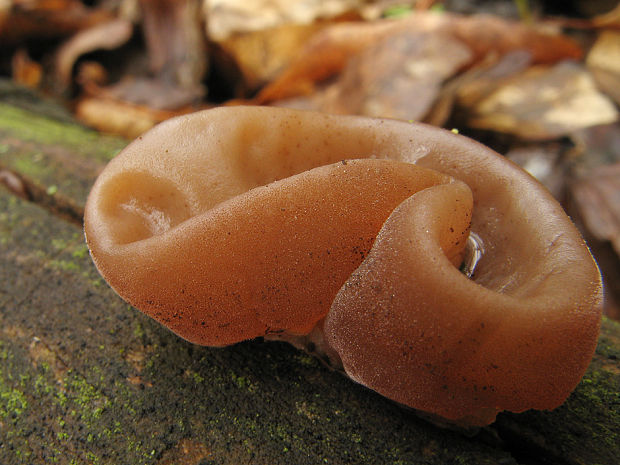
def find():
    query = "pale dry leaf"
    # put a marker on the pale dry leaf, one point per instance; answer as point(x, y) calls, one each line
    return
point(609, 19)
point(476, 81)
point(486, 77)
point(603, 61)
point(544, 103)
point(5, 7)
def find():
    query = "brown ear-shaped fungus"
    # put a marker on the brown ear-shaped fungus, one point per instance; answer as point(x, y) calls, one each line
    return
point(241, 222)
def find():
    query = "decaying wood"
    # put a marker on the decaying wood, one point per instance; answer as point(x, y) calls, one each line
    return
point(85, 379)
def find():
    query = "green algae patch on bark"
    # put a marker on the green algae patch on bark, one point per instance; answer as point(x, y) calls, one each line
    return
point(56, 160)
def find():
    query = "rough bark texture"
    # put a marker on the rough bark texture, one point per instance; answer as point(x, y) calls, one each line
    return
point(86, 379)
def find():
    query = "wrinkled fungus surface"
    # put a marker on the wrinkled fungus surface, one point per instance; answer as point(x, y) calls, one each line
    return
point(347, 234)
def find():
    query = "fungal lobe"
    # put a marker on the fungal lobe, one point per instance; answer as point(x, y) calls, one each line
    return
point(349, 232)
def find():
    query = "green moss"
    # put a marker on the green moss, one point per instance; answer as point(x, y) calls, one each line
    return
point(64, 265)
point(58, 160)
point(196, 377)
point(12, 402)
point(306, 360)
point(609, 341)
point(397, 11)
point(30, 126)
point(138, 330)
point(243, 382)
point(80, 252)
point(59, 243)
point(30, 166)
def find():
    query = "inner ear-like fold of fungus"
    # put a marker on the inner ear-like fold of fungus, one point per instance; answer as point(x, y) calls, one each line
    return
point(267, 261)
point(445, 344)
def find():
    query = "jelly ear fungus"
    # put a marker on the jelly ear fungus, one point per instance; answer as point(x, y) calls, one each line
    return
point(347, 233)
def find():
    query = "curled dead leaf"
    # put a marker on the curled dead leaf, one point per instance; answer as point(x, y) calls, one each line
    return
point(107, 36)
point(604, 62)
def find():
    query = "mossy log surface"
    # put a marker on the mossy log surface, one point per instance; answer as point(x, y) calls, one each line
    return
point(86, 379)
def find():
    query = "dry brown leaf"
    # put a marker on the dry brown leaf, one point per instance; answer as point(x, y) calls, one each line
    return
point(598, 199)
point(609, 19)
point(116, 117)
point(486, 33)
point(485, 78)
point(544, 162)
point(175, 41)
point(480, 79)
point(186, 452)
point(26, 71)
point(106, 36)
point(261, 55)
point(5, 8)
point(399, 77)
point(90, 76)
point(153, 93)
point(543, 103)
point(596, 146)
point(604, 62)
point(327, 53)
point(595, 202)
point(14, 184)
point(23, 19)
point(177, 65)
